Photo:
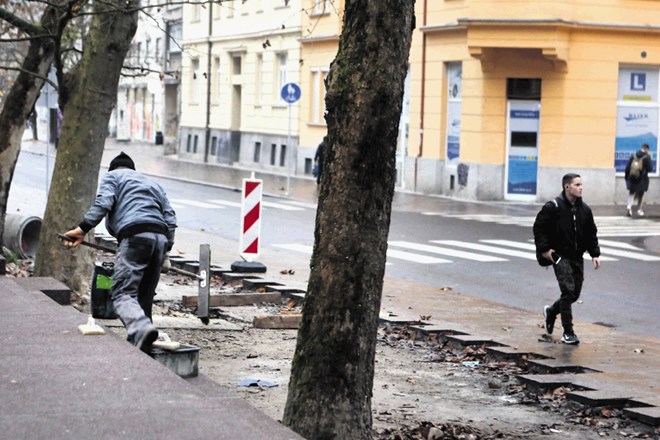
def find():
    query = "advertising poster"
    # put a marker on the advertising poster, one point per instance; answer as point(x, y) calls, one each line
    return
point(522, 174)
point(635, 126)
point(453, 130)
point(522, 157)
point(454, 85)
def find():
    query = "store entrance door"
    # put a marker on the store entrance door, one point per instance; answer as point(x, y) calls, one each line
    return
point(522, 149)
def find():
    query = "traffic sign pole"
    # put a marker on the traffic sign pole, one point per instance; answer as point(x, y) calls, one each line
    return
point(290, 93)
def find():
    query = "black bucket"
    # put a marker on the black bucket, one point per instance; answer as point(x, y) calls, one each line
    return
point(21, 235)
point(101, 299)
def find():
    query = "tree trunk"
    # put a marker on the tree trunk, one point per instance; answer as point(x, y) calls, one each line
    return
point(84, 130)
point(20, 102)
point(331, 381)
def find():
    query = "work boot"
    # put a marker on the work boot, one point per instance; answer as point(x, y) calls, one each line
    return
point(147, 339)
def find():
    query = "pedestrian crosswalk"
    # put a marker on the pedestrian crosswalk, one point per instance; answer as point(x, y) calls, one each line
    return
point(484, 251)
point(221, 204)
point(608, 226)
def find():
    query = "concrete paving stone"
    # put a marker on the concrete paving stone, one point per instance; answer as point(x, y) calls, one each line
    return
point(471, 340)
point(386, 318)
point(550, 381)
point(599, 398)
point(58, 384)
point(284, 289)
point(506, 353)
point(52, 288)
point(435, 330)
point(649, 415)
point(554, 366)
point(253, 283)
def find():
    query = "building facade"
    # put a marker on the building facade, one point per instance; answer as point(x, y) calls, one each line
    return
point(507, 96)
point(237, 56)
point(503, 97)
point(138, 115)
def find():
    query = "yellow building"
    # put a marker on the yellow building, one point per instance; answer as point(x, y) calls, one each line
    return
point(503, 97)
point(236, 57)
point(507, 96)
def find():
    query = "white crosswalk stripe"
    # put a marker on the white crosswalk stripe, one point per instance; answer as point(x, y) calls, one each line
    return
point(531, 247)
point(226, 203)
point(482, 251)
point(177, 203)
point(608, 226)
point(445, 251)
point(486, 248)
point(401, 255)
point(282, 206)
point(220, 204)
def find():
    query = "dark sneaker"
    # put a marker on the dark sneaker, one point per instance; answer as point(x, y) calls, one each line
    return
point(147, 339)
point(549, 323)
point(570, 338)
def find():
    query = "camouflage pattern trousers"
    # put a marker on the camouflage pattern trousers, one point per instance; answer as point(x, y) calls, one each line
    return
point(570, 276)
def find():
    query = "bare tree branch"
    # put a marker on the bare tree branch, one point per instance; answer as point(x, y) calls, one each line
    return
point(18, 22)
point(18, 69)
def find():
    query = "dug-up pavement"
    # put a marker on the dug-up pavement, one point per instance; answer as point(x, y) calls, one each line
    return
point(76, 388)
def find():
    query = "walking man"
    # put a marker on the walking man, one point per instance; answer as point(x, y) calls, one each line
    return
point(564, 229)
point(318, 159)
point(139, 215)
point(637, 178)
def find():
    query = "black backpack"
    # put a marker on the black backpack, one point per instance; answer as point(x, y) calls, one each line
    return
point(544, 262)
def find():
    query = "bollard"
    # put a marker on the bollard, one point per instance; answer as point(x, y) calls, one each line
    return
point(21, 235)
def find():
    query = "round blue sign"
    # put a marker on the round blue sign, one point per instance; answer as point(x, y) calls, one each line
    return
point(290, 93)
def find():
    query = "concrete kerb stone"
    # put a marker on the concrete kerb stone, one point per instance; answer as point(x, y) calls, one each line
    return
point(547, 372)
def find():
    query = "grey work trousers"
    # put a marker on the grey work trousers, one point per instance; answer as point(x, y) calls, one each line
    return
point(136, 275)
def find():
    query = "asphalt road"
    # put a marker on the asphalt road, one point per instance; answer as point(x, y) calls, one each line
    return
point(438, 243)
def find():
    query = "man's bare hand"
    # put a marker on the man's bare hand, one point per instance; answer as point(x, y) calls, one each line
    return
point(548, 255)
point(596, 262)
point(76, 234)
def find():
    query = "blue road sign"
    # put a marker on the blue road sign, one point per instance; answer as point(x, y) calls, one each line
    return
point(290, 93)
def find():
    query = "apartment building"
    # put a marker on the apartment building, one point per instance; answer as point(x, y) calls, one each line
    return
point(507, 96)
point(236, 58)
point(138, 115)
point(503, 97)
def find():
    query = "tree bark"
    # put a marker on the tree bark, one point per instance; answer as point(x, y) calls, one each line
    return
point(21, 98)
point(331, 382)
point(84, 129)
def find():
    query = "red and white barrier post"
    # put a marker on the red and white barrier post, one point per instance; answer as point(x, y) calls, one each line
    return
point(250, 239)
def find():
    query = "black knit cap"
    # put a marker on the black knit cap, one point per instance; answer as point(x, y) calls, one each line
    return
point(122, 160)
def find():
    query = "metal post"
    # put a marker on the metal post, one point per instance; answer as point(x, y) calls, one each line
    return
point(288, 155)
point(204, 282)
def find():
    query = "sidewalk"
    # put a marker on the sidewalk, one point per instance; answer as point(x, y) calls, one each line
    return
point(618, 368)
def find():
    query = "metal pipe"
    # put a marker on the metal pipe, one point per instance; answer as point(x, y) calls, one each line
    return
point(207, 135)
point(114, 251)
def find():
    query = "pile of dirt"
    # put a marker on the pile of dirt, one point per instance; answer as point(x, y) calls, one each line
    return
point(422, 389)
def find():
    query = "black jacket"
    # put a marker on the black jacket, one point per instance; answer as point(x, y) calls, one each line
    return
point(568, 229)
point(641, 183)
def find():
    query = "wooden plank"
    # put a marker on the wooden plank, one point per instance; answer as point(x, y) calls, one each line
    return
point(277, 321)
point(238, 299)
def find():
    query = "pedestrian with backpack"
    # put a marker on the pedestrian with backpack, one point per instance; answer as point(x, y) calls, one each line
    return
point(637, 178)
point(564, 230)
